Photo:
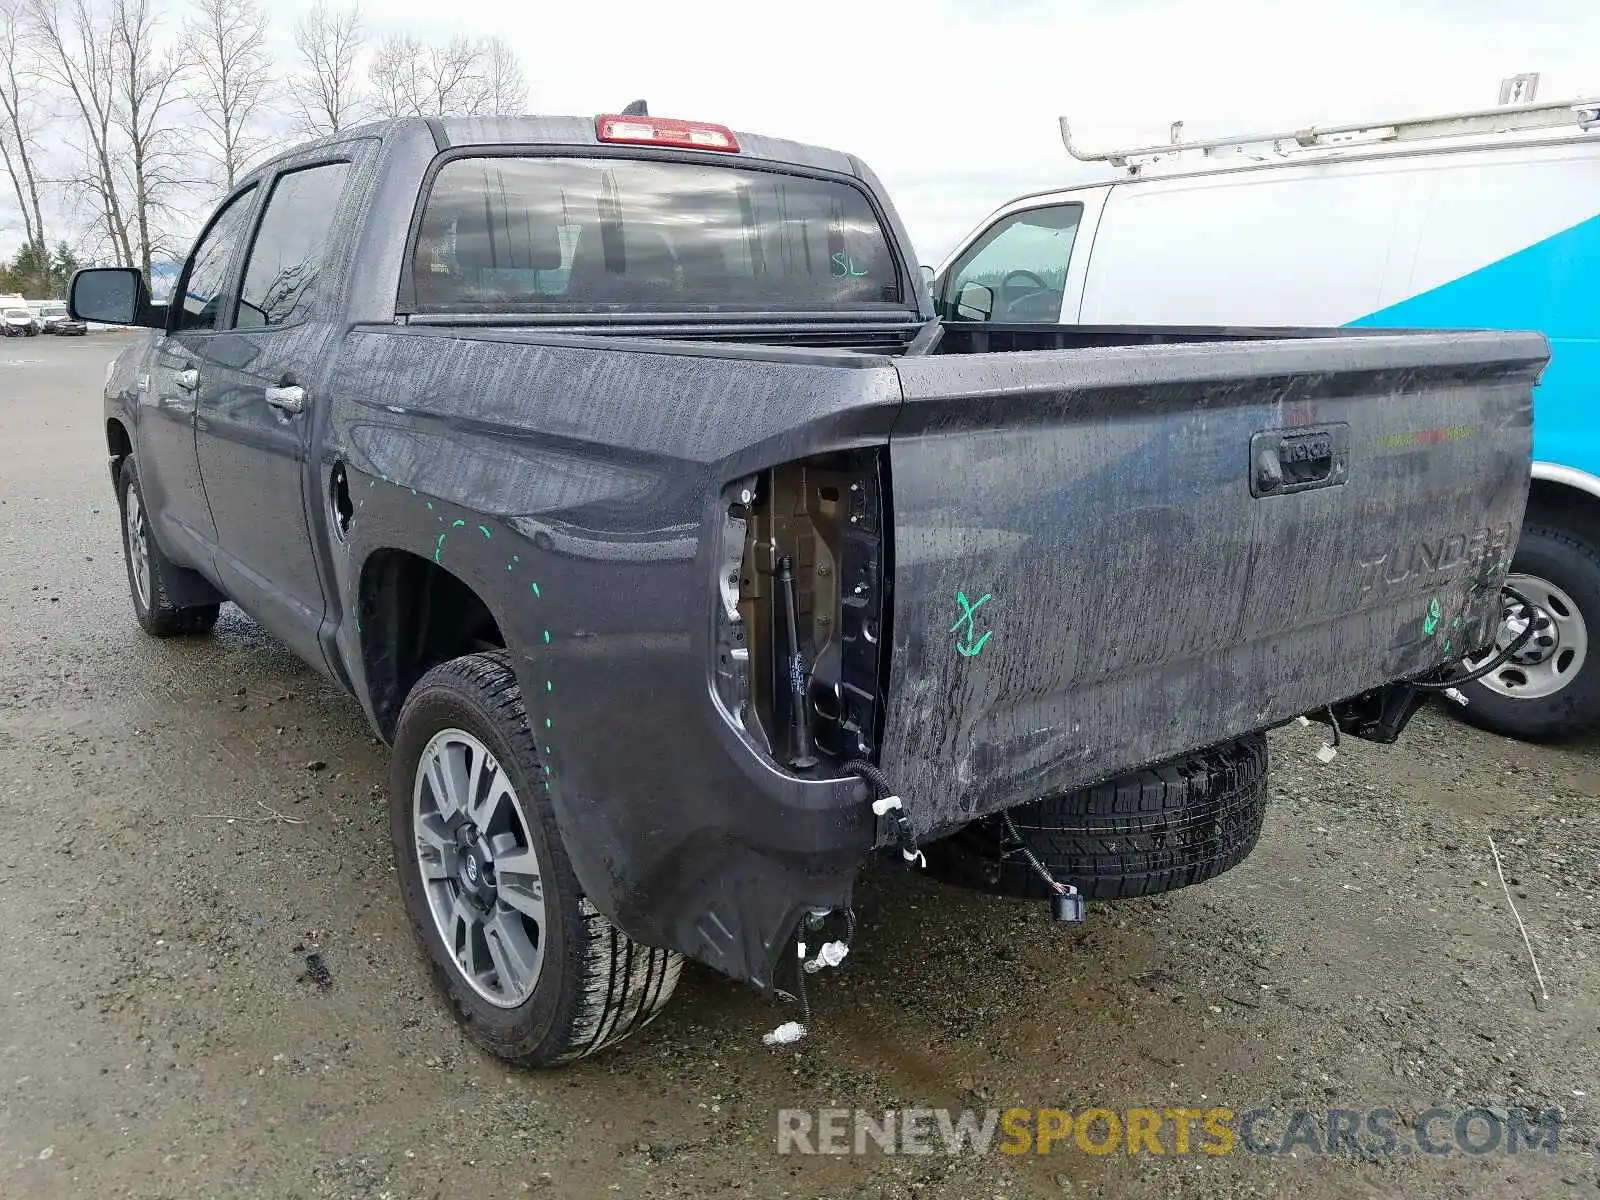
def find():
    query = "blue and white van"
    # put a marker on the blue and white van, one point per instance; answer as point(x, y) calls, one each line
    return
point(1487, 219)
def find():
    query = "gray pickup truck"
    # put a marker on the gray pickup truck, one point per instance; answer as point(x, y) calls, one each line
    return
point(622, 471)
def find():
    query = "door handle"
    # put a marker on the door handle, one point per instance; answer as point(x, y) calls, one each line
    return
point(189, 379)
point(290, 399)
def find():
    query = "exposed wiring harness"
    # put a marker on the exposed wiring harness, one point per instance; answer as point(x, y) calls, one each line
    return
point(887, 804)
point(1499, 660)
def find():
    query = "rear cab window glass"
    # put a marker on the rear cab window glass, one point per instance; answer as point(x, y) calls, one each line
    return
point(286, 259)
point(1017, 270)
point(525, 234)
point(206, 281)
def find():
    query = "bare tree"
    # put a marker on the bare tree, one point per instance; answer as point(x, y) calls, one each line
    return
point(20, 122)
point(507, 85)
point(326, 90)
point(78, 55)
point(395, 77)
point(459, 78)
point(226, 45)
point(148, 82)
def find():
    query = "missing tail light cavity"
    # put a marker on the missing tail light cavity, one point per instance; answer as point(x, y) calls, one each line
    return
point(825, 516)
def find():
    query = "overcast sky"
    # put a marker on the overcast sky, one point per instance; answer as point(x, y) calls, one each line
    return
point(954, 102)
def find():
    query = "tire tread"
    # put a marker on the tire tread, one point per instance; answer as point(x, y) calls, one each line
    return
point(1150, 831)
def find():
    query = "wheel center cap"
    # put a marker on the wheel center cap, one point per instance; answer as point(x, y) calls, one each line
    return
point(1544, 643)
point(475, 873)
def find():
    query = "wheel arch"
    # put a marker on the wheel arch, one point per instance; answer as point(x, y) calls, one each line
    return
point(1565, 498)
point(414, 615)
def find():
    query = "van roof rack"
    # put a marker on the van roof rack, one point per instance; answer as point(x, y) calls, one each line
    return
point(1506, 118)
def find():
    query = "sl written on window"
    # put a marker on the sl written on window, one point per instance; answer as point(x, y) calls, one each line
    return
point(1020, 264)
point(281, 280)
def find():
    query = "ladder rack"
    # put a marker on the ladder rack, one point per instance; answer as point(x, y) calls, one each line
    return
point(1510, 118)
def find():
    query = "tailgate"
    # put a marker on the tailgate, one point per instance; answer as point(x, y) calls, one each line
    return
point(1108, 557)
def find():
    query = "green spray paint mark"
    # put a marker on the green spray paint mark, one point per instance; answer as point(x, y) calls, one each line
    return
point(548, 723)
point(483, 529)
point(1447, 645)
point(457, 524)
point(547, 750)
point(547, 769)
point(439, 549)
point(547, 785)
point(967, 647)
point(535, 587)
point(549, 685)
point(515, 559)
point(546, 637)
point(430, 505)
point(1456, 624)
point(1432, 622)
point(413, 491)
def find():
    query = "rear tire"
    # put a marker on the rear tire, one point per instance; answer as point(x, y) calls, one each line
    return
point(150, 571)
point(1149, 831)
point(535, 973)
point(1562, 578)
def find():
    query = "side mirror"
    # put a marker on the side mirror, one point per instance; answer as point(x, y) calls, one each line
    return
point(113, 296)
point(929, 278)
point(975, 303)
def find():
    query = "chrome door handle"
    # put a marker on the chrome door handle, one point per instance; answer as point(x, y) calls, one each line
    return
point(189, 379)
point(291, 399)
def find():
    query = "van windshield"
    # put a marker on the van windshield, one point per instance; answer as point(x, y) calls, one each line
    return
point(515, 234)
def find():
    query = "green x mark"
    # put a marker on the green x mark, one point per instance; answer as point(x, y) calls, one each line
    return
point(967, 647)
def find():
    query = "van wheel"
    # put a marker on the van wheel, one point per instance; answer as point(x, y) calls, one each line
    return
point(150, 571)
point(1551, 688)
point(535, 973)
point(1149, 831)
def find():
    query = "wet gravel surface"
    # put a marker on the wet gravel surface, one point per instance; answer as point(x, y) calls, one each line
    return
point(209, 989)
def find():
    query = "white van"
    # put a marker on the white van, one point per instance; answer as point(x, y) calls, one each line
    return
point(1487, 219)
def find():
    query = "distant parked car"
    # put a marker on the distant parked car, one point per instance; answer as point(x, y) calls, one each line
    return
point(49, 314)
point(69, 327)
point(18, 322)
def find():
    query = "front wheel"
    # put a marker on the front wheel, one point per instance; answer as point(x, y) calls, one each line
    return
point(1551, 687)
point(535, 973)
point(149, 570)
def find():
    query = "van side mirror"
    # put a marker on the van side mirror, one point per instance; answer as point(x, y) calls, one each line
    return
point(113, 296)
point(975, 303)
point(929, 278)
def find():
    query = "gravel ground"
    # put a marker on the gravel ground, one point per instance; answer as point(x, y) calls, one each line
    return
point(163, 1035)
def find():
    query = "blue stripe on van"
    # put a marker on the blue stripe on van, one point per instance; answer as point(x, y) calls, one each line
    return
point(1552, 286)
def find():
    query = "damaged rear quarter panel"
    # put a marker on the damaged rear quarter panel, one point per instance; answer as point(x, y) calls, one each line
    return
point(571, 483)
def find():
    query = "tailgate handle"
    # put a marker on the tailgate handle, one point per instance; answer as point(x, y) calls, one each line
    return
point(1296, 460)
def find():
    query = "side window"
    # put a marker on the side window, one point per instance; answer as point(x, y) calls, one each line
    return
point(205, 283)
point(281, 279)
point(1017, 270)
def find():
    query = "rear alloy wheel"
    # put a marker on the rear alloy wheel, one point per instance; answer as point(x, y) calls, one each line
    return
point(480, 868)
point(1550, 688)
point(535, 973)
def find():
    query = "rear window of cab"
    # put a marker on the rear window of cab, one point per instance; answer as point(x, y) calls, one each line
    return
point(525, 234)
